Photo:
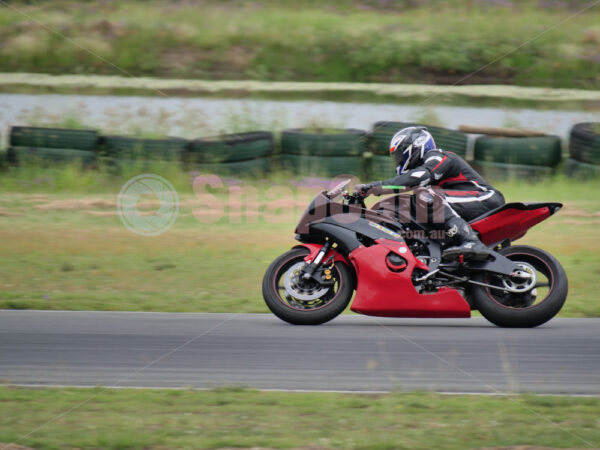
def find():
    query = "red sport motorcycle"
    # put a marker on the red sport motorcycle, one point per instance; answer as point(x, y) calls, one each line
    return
point(396, 267)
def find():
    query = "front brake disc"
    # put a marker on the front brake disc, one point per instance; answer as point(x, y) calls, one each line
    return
point(292, 280)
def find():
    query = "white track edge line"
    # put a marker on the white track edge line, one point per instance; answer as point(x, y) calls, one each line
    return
point(322, 391)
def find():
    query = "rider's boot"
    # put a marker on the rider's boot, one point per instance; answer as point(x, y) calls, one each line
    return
point(469, 245)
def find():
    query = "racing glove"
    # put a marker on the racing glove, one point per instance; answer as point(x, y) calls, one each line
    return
point(367, 189)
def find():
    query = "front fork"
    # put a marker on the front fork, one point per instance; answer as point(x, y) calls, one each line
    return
point(311, 268)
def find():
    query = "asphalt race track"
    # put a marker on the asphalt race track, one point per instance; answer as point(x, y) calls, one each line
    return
point(258, 350)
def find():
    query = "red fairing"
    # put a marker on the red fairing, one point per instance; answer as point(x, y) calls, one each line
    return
point(314, 251)
point(381, 292)
point(509, 224)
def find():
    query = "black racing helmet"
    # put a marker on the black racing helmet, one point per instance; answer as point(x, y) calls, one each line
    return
point(409, 146)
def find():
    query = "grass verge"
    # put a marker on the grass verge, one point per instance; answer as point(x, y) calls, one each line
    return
point(238, 418)
point(64, 246)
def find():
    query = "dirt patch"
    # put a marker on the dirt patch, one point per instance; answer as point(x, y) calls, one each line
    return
point(106, 28)
point(38, 198)
point(7, 213)
point(180, 59)
point(574, 211)
point(580, 222)
point(71, 204)
point(308, 447)
point(116, 213)
point(35, 198)
point(102, 213)
point(524, 447)
point(239, 56)
point(13, 447)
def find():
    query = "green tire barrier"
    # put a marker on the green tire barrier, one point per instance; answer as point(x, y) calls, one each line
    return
point(446, 139)
point(339, 143)
point(252, 167)
point(53, 138)
point(379, 168)
point(584, 143)
point(119, 164)
point(128, 148)
point(576, 169)
point(231, 148)
point(46, 156)
point(530, 151)
point(317, 165)
point(502, 171)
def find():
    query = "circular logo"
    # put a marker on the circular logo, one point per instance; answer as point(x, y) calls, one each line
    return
point(159, 200)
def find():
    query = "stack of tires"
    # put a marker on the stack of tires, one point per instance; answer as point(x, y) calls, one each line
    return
point(51, 146)
point(122, 151)
point(328, 153)
point(240, 154)
point(379, 165)
point(584, 151)
point(517, 157)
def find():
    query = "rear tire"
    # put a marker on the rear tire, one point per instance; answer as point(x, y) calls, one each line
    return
point(321, 310)
point(521, 310)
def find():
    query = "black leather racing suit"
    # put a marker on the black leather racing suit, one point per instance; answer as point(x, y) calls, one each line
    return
point(466, 192)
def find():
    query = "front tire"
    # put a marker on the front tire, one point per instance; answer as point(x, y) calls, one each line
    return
point(530, 308)
point(326, 304)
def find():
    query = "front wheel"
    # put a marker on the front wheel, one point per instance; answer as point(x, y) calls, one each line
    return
point(302, 302)
point(526, 302)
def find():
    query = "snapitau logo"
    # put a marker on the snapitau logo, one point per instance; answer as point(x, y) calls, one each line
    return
point(150, 188)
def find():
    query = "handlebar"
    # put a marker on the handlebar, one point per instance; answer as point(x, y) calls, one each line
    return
point(359, 198)
point(354, 199)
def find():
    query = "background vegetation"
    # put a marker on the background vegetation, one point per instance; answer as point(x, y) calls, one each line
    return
point(364, 40)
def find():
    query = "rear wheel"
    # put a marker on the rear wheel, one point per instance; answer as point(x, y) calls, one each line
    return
point(523, 302)
point(305, 302)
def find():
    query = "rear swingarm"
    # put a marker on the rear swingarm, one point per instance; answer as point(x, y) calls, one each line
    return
point(458, 279)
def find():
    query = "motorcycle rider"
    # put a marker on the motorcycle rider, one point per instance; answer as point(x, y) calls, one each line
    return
point(466, 195)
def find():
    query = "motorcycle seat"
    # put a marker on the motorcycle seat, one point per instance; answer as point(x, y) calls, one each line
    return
point(520, 206)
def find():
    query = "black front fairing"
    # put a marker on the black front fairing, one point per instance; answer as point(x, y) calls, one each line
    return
point(349, 225)
point(352, 235)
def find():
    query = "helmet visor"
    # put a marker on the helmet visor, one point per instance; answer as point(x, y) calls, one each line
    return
point(402, 159)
